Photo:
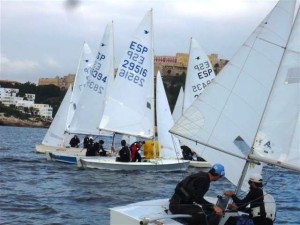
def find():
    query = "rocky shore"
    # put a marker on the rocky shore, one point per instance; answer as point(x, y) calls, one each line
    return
point(12, 121)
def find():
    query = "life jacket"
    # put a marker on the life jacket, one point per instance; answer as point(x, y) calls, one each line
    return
point(268, 208)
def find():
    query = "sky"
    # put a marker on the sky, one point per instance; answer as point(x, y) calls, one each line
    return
point(44, 39)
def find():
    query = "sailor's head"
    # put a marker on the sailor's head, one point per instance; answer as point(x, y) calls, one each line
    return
point(256, 179)
point(217, 171)
point(123, 142)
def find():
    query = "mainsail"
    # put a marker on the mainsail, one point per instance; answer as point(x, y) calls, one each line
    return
point(90, 106)
point(177, 111)
point(55, 134)
point(200, 73)
point(84, 65)
point(169, 146)
point(129, 108)
point(278, 138)
point(227, 114)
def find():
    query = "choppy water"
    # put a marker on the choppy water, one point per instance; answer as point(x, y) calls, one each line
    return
point(36, 191)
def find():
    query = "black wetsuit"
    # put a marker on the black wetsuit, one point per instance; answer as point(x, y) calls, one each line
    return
point(74, 142)
point(255, 198)
point(124, 154)
point(192, 189)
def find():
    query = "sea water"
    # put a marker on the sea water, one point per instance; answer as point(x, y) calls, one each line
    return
point(36, 191)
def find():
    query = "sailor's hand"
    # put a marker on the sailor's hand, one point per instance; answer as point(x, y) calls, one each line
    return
point(218, 210)
point(228, 193)
point(232, 207)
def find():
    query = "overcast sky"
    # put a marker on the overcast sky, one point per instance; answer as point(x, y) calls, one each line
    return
point(44, 38)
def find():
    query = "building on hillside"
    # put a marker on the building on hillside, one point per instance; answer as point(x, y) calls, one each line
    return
point(44, 110)
point(8, 96)
point(61, 82)
point(177, 65)
point(21, 104)
point(30, 97)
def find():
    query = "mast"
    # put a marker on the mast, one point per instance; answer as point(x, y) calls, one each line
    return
point(185, 83)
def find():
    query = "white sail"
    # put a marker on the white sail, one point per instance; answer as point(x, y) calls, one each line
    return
point(129, 108)
point(177, 111)
point(227, 114)
point(55, 135)
point(90, 106)
point(82, 73)
point(169, 146)
point(278, 139)
point(200, 73)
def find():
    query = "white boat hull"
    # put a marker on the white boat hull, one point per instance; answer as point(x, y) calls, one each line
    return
point(151, 212)
point(44, 148)
point(200, 164)
point(151, 165)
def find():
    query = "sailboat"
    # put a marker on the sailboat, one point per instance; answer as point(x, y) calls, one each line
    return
point(56, 138)
point(90, 106)
point(243, 104)
point(130, 104)
point(92, 99)
point(169, 146)
point(200, 74)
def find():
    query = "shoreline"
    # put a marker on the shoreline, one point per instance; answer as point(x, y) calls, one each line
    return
point(12, 121)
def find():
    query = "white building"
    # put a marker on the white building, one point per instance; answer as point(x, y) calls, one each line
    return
point(21, 103)
point(8, 96)
point(44, 110)
point(30, 97)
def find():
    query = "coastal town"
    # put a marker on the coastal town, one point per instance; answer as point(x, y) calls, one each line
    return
point(41, 114)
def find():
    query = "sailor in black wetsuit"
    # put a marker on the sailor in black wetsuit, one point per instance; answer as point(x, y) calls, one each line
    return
point(192, 190)
point(260, 211)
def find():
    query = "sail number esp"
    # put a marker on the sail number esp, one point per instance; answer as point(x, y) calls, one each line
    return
point(96, 76)
point(132, 67)
point(204, 71)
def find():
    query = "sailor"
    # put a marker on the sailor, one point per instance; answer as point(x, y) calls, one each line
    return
point(124, 153)
point(102, 152)
point(90, 151)
point(86, 141)
point(74, 142)
point(262, 205)
point(134, 149)
point(189, 197)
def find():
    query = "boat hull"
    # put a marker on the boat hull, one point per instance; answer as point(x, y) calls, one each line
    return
point(150, 212)
point(63, 156)
point(110, 163)
point(44, 148)
point(200, 164)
